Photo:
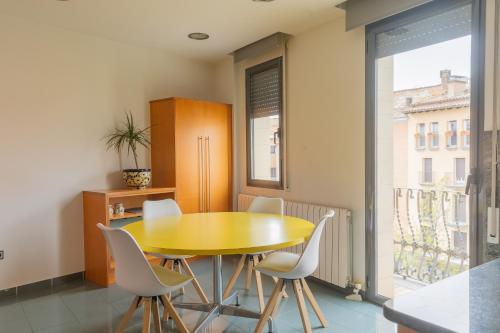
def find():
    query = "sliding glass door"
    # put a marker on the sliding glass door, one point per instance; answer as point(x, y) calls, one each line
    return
point(421, 136)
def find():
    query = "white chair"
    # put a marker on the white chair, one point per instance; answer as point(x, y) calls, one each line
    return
point(152, 210)
point(265, 206)
point(150, 284)
point(292, 268)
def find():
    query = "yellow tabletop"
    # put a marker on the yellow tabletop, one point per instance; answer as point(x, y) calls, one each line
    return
point(219, 233)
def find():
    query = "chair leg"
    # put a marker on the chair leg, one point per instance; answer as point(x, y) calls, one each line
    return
point(285, 295)
point(269, 307)
point(258, 282)
point(304, 315)
point(166, 315)
point(177, 267)
point(146, 319)
point(131, 310)
point(278, 301)
point(156, 315)
point(234, 277)
point(175, 315)
point(314, 304)
point(195, 282)
point(248, 283)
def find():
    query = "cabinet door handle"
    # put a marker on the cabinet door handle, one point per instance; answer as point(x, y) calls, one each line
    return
point(208, 162)
point(200, 173)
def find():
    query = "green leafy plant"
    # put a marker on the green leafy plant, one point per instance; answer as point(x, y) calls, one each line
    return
point(128, 135)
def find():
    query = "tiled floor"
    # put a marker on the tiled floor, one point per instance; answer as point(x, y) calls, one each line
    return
point(82, 307)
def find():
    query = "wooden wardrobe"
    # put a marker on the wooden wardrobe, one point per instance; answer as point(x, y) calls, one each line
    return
point(191, 150)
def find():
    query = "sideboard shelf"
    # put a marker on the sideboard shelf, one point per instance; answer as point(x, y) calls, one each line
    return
point(99, 266)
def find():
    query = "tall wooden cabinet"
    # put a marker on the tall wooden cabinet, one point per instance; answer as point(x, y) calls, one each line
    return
point(191, 150)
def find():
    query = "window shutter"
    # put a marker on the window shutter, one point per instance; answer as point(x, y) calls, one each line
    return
point(265, 90)
point(364, 12)
point(441, 27)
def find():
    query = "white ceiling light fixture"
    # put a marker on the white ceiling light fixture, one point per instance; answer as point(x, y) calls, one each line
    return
point(198, 36)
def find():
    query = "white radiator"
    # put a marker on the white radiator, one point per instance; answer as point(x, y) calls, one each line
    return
point(335, 258)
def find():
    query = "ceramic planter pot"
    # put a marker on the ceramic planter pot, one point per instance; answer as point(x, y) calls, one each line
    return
point(137, 178)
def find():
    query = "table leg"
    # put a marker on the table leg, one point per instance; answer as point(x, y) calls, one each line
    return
point(220, 306)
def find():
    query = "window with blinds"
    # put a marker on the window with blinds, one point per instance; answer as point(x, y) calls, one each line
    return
point(440, 27)
point(264, 109)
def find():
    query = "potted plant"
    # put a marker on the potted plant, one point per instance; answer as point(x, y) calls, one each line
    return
point(131, 137)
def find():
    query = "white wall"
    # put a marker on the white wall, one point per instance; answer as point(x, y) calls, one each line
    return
point(325, 124)
point(60, 93)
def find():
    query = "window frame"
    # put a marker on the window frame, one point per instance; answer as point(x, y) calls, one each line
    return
point(448, 139)
point(271, 184)
point(424, 171)
point(434, 135)
point(455, 173)
point(420, 136)
point(465, 136)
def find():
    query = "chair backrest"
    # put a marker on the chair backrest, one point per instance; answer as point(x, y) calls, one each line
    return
point(309, 260)
point(132, 269)
point(267, 206)
point(160, 208)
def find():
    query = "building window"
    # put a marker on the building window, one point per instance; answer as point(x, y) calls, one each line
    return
point(427, 173)
point(459, 171)
point(420, 136)
point(466, 134)
point(273, 172)
point(451, 141)
point(434, 135)
point(460, 241)
point(264, 103)
point(460, 209)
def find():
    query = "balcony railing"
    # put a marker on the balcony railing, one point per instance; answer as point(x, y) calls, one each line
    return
point(428, 234)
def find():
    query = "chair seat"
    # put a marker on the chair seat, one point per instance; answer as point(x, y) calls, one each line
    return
point(169, 256)
point(279, 264)
point(170, 278)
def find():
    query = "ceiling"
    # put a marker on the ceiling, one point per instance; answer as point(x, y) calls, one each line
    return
point(165, 24)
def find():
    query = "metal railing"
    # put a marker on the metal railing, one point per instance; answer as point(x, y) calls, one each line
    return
point(430, 236)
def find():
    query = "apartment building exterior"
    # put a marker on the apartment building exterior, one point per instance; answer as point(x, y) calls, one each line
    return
point(431, 129)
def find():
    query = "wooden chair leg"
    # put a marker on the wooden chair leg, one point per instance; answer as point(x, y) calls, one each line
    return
point(314, 304)
point(177, 267)
point(166, 315)
point(258, 282)
point(234, 277)
point(248, 283)
point(269, 307)
point(146, 319)
point(285, 295)
point(156, 315)
point(304, 315)
point(278, 301)
point(130, 312)
point(175, 315)
point(195, 282)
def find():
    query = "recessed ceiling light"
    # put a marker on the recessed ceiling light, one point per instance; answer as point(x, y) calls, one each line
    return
point(262, 0)
point(198, 35)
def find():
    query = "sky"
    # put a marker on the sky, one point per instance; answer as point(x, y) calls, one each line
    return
point(420, 67)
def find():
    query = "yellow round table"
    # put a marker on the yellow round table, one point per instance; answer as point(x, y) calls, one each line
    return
point(218, 234)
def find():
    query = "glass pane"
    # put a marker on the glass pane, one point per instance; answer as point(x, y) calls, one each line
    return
point(265, 148)
point(422, 230)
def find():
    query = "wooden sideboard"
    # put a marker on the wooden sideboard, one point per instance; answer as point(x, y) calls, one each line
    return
point(99, 266)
